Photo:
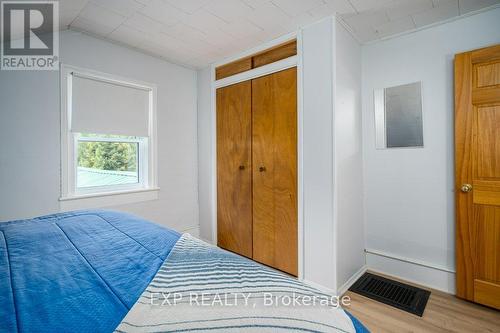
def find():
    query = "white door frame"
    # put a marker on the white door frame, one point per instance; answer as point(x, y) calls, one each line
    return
point(294, 61)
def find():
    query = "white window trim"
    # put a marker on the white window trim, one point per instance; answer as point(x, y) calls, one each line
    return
point(71, 198)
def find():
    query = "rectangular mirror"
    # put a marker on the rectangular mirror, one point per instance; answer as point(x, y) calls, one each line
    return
point(398, 116)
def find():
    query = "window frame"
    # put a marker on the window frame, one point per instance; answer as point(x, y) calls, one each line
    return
point(69, 148)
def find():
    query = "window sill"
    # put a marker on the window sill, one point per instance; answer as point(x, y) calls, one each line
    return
point(106, 199)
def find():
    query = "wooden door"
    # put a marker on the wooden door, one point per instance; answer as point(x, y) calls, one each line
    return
point(274, 160)
point(477, 141)
point(234, 170)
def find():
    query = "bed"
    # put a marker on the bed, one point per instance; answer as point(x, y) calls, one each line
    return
point(104, 271)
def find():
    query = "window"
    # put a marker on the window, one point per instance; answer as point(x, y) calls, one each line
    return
point(108, 160)
point(108, 141)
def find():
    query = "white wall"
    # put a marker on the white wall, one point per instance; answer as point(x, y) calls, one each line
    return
point(409, 193)
point(205, 172)
point(30, 133)
point(332, 147)
point(348, 159)
point(318, 42)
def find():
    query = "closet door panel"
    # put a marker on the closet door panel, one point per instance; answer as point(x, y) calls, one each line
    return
point(274, 160)
point(234, 170)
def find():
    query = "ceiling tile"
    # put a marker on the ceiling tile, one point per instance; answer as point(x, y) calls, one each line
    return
point(258, 4)
point(466, 6)
point(398, 9)
point(100, 15)
point(229, 49)
point(163, 41)
point(71, 5)
point(69, 10)
point(437, 3)
point(250, 42)
point(144, 23)
point(367, 34)
point(301, 20)
point(211, 56)
point(445, 10)
point(92, 27)
point(127, 35)
point(193, 39)
point(122, 7)
point(143, 2)
point(173, 54)
point(366, 19)
point(242, 29)
point(163, 12)
point(331, 7)
point(66, 17)
point(295, 7)
point(188, 6)
point(203, 20)
point(364, 5)
point(199, 62)
point(228, 10)
point(185, 32)
point(267, 16)
point(394, 27)
point(220, 39)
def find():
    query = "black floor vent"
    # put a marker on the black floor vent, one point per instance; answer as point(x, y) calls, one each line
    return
point(399, 295)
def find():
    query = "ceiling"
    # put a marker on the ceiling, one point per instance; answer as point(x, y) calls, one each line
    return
point(196, 33)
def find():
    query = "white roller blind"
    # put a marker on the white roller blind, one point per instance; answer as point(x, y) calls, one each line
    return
point(103, 107)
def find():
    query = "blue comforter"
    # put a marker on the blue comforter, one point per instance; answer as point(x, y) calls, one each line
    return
point(80, 271)
point(76, 272)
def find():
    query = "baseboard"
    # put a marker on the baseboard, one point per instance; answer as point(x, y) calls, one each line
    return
point(193, 231)
point(340, 291)
point(207, 241)
point(320, 287)
point(343, 289)
point(425, 275)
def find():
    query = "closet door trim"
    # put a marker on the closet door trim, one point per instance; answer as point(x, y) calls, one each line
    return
point(272, 68)
point(295, 61)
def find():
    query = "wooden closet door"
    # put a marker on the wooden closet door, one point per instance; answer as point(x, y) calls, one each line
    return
point(274, 160)
point(234, 171)
point(477, 142)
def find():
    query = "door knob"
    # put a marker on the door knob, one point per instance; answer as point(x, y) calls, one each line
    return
point(262, 169)
point(466, 188)
point(242, 167)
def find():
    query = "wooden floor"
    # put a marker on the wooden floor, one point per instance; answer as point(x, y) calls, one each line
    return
point(444, 313)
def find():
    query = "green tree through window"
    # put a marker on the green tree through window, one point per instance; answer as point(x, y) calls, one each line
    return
point(118, 156)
